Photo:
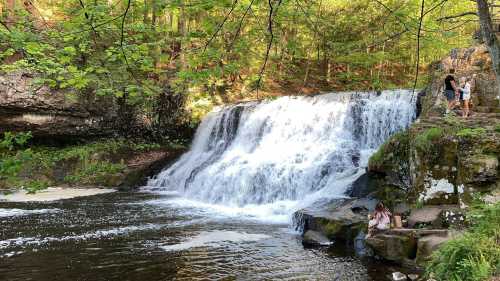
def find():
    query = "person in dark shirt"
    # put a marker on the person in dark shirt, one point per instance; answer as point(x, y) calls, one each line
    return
point(451, 91)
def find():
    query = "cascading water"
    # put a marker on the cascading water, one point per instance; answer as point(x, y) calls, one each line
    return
point(284, 154)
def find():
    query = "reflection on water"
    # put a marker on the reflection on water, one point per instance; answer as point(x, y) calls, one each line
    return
point(120, 236)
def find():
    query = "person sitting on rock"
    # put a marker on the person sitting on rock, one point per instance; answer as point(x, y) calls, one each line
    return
point(380, 220)
point(450, 91)
point(466, 95)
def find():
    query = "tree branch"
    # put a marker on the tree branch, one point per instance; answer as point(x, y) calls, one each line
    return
point(220, 26)
point(422, 15)
point(5, 26)
point(457, 16)
point(271, 38)
point(240, 25)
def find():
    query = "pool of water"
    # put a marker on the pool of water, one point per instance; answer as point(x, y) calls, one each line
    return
point(144, 236)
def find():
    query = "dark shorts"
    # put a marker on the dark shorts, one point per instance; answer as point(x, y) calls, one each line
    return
point(449, 94)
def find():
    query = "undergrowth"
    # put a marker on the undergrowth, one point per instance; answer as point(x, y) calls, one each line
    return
point(33, 168)
point(424, 141)
point(471, 132)
point(475, 255)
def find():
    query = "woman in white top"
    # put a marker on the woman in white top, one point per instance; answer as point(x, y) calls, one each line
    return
point(466, 90)
point(380, 220)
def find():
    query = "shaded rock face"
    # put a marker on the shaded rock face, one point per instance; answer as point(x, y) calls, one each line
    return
point(53, 114)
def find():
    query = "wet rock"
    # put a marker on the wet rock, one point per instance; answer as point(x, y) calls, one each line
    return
point(341, 219)
point(315, 238)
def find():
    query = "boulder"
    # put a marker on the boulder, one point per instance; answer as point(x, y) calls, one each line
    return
point(426, 216)
point(443, 216)
point(340, 219)
point(427, 245)
point(397, 248)
point(314, 238)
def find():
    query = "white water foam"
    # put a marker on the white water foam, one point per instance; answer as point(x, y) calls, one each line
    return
point(99, 234)
point(266, 160)
point(22, 212)
point(215, 239)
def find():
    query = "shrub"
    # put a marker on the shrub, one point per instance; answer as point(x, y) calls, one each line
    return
point(471, 132)
point(424, 140)
point(474, 256)
point(90, 164)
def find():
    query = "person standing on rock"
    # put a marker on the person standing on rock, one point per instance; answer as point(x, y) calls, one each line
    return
point(466, 95)
point(380, 220)
point(450, 91)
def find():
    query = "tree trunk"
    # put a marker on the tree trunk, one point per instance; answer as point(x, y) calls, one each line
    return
point(10, 8)
point(146, 12)
point(490, 37)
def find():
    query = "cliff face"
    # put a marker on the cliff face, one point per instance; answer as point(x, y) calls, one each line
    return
point(52, 114)
point(441, 159)
point(61, 116)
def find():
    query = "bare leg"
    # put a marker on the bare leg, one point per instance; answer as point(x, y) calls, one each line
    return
point(466, 109)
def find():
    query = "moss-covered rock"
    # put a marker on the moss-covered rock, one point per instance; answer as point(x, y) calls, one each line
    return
point(341, 219)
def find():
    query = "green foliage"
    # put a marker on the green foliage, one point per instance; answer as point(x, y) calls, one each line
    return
point(11, 140)
point(471, 132)
point(475, 256)
point(217, 47)
point(33, 186)
point(453, 121)
point(88, 164)
point(13, 155)
point(424, 140)
point(497, 128)
point(94, 172)
point(399, 140)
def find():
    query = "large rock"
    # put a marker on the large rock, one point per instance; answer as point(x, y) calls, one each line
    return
point(396, 248)
point(315, 238)
point(402, 245)
point(341, 219)
point(427, 245)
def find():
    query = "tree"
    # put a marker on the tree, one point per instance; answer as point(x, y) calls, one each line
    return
point(490, 38)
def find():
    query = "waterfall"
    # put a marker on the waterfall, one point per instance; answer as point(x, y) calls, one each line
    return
point(292, 149)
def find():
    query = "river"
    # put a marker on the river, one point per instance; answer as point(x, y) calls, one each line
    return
point(145, 236)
